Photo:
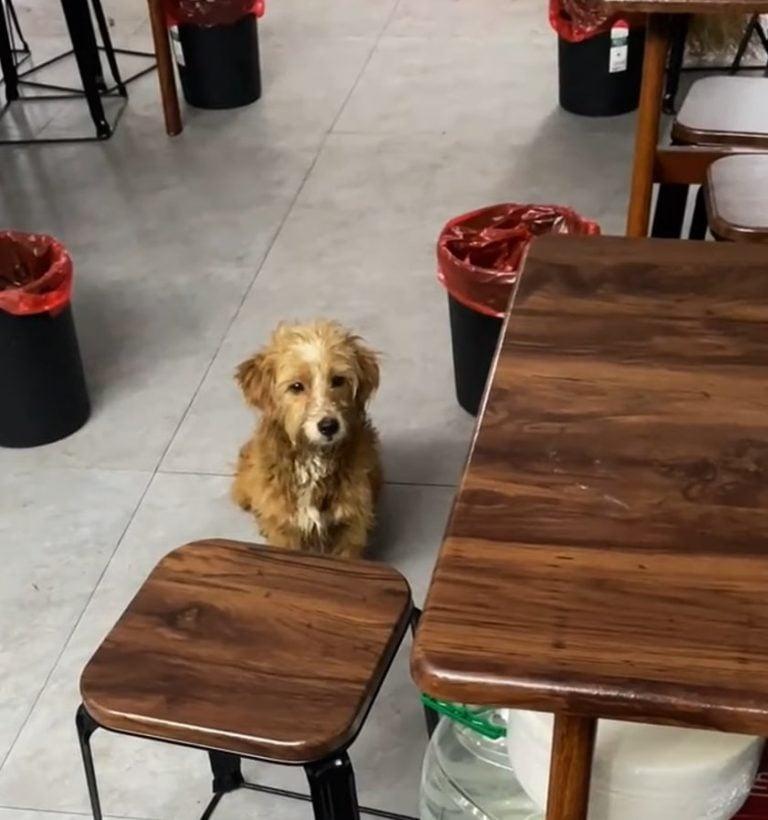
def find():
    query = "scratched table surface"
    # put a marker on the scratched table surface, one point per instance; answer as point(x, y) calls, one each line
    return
point(608, 549)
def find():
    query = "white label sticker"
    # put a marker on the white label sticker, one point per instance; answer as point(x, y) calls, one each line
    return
point(176, 43)
point(618, 59)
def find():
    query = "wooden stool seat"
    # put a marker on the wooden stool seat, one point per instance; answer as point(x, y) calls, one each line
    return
point(246, 650)
point(724, 111)
point(736, 195)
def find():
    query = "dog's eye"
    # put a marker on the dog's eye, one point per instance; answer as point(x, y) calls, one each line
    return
point(338, 381)
point(296, 387)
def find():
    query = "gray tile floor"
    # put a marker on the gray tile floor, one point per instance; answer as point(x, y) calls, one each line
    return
point(380, 119)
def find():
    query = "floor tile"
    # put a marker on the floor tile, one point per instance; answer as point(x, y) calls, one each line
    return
point(58, 529)
point(321, 19)
point(462, 85)
point(518, 23)
point(359, 246)
point(144, 779)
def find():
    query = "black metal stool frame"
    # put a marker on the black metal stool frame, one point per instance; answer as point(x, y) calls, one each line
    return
point(332, 789)
point(86, 51)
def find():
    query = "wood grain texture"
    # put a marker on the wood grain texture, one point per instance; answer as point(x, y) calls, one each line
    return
point(570, 770)
point(236, 647)
point(647, 124)
point(607, 549)
point(736, 195)
point(731, 111)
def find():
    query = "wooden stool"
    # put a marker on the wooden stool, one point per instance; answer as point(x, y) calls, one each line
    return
point(736, 197)
point(243, 651)
point(724, 112)
point(729, 111)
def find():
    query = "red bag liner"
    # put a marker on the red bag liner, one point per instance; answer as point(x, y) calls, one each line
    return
point(479, 253)
point(35, 274)
point(210, 12)
point(577, 20)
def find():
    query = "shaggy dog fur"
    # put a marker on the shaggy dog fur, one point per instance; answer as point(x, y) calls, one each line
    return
point(311, 472)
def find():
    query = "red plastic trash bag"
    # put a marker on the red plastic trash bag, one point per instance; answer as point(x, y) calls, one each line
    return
point(479, 253)
point(577, 20)
point(210, 12)
point(35, 274)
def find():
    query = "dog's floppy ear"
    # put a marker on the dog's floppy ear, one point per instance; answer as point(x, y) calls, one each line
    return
point(254, 376)
point(367, 372)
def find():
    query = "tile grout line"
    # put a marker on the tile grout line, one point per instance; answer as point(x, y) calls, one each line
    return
point(196, 391)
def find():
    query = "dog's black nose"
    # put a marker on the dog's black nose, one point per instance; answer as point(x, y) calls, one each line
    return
point(328, 426)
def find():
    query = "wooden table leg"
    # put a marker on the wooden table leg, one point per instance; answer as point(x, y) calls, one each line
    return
point(573, 742)
point(165, 73)
point(647, 128)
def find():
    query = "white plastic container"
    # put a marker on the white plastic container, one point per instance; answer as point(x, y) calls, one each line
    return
point(642, 772)
point(468, 777)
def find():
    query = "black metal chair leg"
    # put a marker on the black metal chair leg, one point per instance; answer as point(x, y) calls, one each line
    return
point(83, 37)
point(86, 726)
point(7, 62)
point(109, 50)
point(430, 716)
point(743, 44)
point(332, 789)
point(675, 63)
point(669, 213)
point(227, 774)
point(699, 222)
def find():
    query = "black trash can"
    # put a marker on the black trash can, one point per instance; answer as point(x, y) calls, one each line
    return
point(474, 337)
point(219, 65)
point(44, 394)
point(600, 76)
point(478, 257)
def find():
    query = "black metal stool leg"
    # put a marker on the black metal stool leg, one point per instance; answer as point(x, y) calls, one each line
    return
point(86, 726)
point(744, 44)
point(675, 63)
point(332, 788)
point(669, 213)
point(227, 774)
point(7, 62)
point(83, 37)
point(430, 716)
point(109, 50)
point(699, 222)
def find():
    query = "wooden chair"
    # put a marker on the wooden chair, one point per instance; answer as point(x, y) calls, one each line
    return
point(243, 651)
point(736, 198)
point(720, 115)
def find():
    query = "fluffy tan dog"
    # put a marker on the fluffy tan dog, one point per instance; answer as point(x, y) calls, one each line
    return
point(311, 472)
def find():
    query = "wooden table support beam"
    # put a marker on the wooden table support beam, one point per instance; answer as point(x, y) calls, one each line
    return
point(573, 743)
point(647, 127)
point(165, 75)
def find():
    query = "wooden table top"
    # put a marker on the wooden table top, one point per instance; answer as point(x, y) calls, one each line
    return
point(264, 653)
point(686, 6)
point(608, 549)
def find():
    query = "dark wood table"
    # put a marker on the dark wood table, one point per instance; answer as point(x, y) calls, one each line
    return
point(607, 554)
point(660, 14)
